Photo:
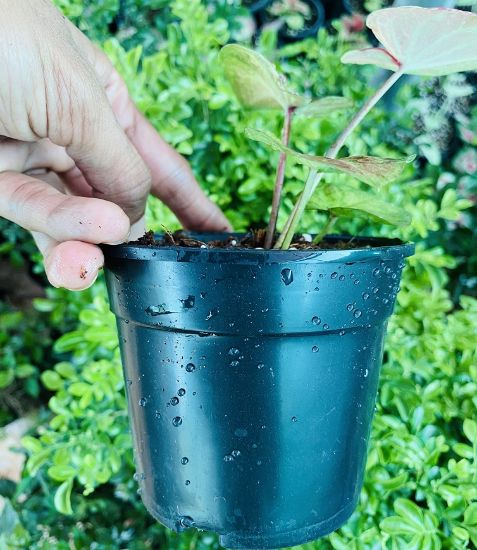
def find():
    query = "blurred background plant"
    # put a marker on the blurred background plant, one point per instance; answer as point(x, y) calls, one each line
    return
point(59, 363)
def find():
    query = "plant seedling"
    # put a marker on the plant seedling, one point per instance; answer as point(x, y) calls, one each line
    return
point(417, 41)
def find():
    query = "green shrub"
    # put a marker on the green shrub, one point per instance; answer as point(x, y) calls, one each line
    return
point(421, 484)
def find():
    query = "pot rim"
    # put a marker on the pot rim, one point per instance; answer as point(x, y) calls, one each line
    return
point(384, 249)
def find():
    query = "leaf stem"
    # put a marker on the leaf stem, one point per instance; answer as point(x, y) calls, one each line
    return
point(314, 177)
point(280, 176)
point(332, 219)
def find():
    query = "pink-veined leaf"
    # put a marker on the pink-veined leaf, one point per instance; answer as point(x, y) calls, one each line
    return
point(373, 171)
point(421, 41)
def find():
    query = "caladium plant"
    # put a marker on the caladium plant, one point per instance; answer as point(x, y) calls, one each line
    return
point(418, 41)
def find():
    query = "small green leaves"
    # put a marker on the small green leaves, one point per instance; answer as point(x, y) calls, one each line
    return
point(325, 106)
point(255, 80)
point(348, 201)
point(421, 41)
point(414, 524)
point(371, 170)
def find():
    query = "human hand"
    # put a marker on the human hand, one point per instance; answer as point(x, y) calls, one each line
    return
point(77, 159)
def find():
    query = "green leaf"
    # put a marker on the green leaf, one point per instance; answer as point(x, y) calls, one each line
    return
point(78, 389)
point(6, 378)
point(25, 370)
point(371, 170)
point(410, 511)
point(36, 461)
point(31, 444)
point(348, 201)
point(470, 430)
point(325, 106)
point(470, 515)
point(63, 498)
point(61, 473)
point(255, 80)
point(395, 525)
point(51, 380)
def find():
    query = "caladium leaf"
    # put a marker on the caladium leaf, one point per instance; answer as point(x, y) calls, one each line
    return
point(373, 171)
point(324, 106)
point(348, 201)
point(421, 41)
point(255, 80)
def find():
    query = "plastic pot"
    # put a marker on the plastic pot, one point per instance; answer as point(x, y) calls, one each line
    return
point(251, 381)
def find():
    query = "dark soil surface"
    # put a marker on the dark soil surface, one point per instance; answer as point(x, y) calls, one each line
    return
point(252, 240)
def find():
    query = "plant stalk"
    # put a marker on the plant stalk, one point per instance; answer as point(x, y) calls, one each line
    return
point(279, 179)
point(314, 177)
point(332, 219)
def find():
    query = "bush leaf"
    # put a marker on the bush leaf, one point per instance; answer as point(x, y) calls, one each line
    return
point(421, 41)
point(348, 201)
point(255, 81)
point(63, 497)
point(371, 170)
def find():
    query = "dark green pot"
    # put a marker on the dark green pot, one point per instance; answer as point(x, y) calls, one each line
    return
point(251, 380)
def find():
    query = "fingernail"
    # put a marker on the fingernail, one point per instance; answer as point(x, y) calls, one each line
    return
point(121, 241)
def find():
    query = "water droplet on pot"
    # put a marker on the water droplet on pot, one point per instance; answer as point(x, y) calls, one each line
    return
point(315, 349)
point(287, 276)
point(234, 351)
point(366, 372)
point(341, 278)
point(263, 426)
point(203, 294)
point(158, 414)
point(228, 458)
point(184, 460)
point(176, 421)
point(174, 401)
point(334, 275)
point(234, 363)
point(184, 522)
point(181, 392)
point(356, 282)
point(187, 482)
point(142, 402)
point(342, 332)
point(235, 453)
point(260, 366)
point(190, 367)
point(294, 418)
point(259, 462)
point(188, 303)
point(129, 382)
point(365, 296)
point(136, 476)
point(350, 307)
point(316, 321)
point(385, 300)
point(376, 271)
point(212, 313)
point(375, 290)
point(387, 270)
point(326, 327)
point(357, 314)
point(153, 311)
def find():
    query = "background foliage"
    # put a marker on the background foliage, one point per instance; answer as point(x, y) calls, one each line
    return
point(78, 489)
